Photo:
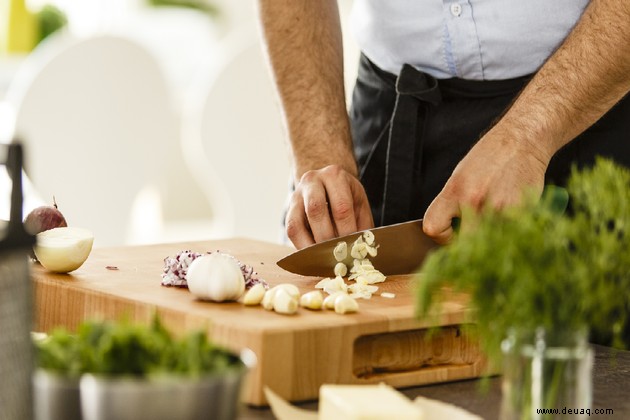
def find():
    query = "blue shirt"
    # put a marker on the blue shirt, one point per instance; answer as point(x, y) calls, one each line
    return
point(468, 39)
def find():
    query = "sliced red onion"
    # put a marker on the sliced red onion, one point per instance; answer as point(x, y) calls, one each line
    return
point(175, 268)
point(251, 276)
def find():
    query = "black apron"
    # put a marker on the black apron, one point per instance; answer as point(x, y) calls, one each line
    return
point(410, 132)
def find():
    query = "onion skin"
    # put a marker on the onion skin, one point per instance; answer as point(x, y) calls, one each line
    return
point(44, 218)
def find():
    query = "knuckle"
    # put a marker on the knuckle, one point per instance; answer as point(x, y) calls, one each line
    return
point(315, 209)
point(429, 227)
point(342, 210)
point(308, 177)
point(333, 170)
point(293, 228)
point(476, 199)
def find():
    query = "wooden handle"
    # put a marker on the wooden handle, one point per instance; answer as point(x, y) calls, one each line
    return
point(414, 350)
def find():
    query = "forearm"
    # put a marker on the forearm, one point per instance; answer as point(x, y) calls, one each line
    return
point(304, 47)
point(580, 82)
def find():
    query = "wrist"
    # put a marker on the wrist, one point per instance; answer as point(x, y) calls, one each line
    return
point(526, 138)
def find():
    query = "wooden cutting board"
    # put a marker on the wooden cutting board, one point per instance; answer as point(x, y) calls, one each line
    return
point(383, 342)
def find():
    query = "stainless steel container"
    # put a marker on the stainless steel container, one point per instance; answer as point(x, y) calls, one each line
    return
point(170, 397)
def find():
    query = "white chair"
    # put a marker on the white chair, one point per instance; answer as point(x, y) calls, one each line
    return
point(96, 118)
point(234, 141)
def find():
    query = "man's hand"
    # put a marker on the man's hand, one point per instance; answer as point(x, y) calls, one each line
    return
point(580, 82)
point(327, 203)
point(495, 172)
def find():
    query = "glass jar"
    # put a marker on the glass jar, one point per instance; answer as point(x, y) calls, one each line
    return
point(546, 375)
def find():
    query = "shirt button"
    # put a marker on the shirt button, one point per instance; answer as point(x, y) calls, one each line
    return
point(456, 9)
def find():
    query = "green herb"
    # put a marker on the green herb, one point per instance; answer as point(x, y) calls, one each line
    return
point(535, 266)
point(50, 19)
point(201, 5)
point(123, 348)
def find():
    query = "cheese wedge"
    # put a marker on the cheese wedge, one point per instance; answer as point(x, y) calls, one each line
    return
point(363, 402)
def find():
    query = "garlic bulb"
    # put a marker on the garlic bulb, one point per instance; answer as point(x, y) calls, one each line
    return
point(215, 277)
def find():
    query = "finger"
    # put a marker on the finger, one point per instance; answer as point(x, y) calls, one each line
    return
point(296, 226)
point(341, 205)
point(317, 213)
point(362, 210)
point(438, 219)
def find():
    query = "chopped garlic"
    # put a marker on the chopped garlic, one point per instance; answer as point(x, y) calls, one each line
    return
point(331, 286)
point(341, 269)
point(364, 269)
point(341, 251)
point(369, 237)
point(388, 295)
point(361, 289)
point(359, 249)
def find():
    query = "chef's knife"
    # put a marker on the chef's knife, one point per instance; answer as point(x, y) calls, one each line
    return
point(401, 250)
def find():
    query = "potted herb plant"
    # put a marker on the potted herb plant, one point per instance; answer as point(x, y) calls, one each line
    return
point(121, 370)
point(543, 282)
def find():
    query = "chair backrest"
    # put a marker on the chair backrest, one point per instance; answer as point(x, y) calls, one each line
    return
point(96, 118)
point(234, 141)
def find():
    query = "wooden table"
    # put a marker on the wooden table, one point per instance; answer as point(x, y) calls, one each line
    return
point(383, 342)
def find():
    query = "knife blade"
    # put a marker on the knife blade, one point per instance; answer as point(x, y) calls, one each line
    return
point(402, 247)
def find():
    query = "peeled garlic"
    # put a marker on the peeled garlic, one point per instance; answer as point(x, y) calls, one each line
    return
point(341, 251)
point(312, 300)
point(329, 302)
point(345, 304)
point(284, 303)
point(254, 295)
point(267, 301)
point(291, 289)
point(331, 286)
point(216, 277)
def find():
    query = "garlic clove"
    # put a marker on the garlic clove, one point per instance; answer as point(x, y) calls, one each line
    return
point(267, 301)
point(291, 289)
point(329, 302)
point(284, 302)
point(312, 300)
point(255, 295)
point(344, 304)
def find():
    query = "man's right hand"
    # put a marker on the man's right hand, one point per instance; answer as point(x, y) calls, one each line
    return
point(327, 203)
